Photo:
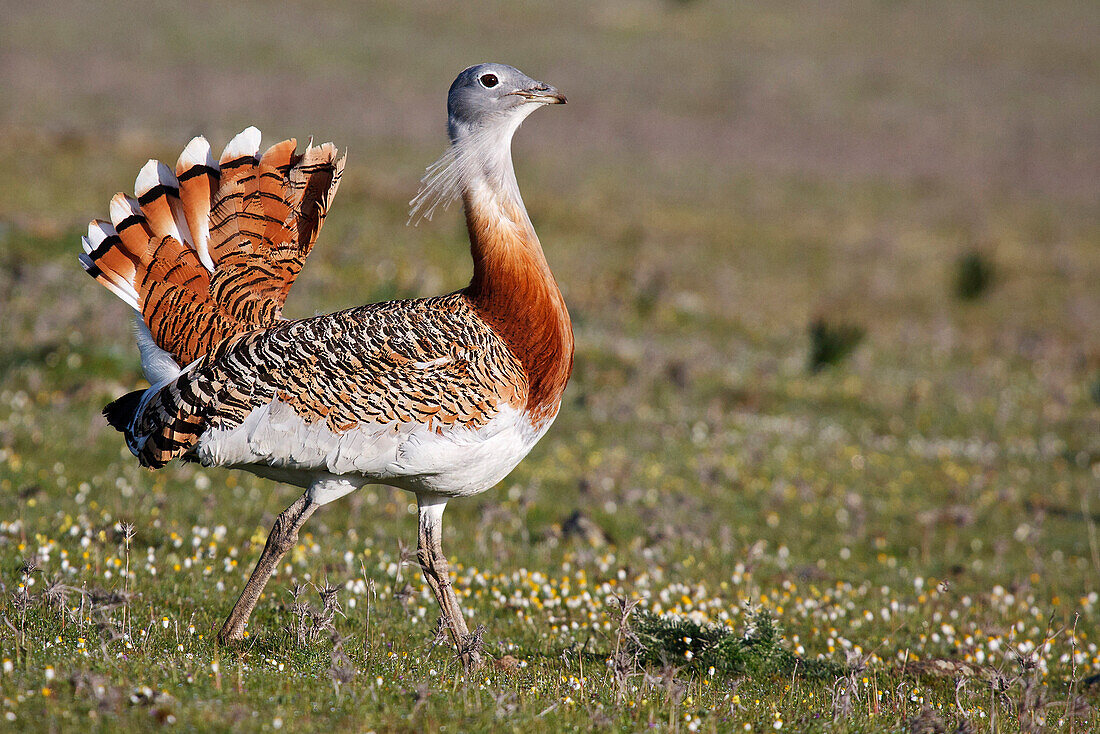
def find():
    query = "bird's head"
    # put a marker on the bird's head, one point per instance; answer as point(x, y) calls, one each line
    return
point(485, 106)
point(492, 95)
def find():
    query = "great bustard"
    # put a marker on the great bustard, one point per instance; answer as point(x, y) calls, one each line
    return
point(439, 396)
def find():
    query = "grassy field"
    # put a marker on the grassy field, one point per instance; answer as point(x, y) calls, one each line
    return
point(919, 521)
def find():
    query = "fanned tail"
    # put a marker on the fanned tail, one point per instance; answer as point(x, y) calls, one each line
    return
point(212, 248)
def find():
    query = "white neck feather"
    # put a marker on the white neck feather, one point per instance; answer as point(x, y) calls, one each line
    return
point(478, 165)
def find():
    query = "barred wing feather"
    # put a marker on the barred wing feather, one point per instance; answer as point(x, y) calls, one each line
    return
point(430, 363)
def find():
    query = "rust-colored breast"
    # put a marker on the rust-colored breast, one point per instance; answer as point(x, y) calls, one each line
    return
point(515, 293)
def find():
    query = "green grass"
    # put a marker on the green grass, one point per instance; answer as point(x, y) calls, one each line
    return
point(915, 528)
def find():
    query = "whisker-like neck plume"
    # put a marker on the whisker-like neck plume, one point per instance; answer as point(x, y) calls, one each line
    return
point(477, 164)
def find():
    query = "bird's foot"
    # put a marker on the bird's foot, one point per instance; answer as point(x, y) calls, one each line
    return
point(231, 635)
point(470, 647)
point(472, 663)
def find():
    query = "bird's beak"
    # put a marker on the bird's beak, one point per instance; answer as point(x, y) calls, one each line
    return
point(542, 93)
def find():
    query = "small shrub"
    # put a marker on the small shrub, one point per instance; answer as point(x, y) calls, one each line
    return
point(831, 343)
point(973, 275)
point(664, 640)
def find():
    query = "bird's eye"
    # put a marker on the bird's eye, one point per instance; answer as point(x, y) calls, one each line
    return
point(488, 80)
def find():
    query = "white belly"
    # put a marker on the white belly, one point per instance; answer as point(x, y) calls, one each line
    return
point(273, 441)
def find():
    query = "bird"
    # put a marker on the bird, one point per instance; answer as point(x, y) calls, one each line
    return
point(440, 396)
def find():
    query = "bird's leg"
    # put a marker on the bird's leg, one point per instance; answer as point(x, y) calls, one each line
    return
point(283, 536)
point(437, 573)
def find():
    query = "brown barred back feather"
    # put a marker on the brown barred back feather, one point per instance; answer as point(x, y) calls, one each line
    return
point(429, 361)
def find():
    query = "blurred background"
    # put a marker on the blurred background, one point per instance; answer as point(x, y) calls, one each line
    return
point(834, 267)
point(760, 162)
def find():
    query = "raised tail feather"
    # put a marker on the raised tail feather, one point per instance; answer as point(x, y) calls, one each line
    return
point(211, 249)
